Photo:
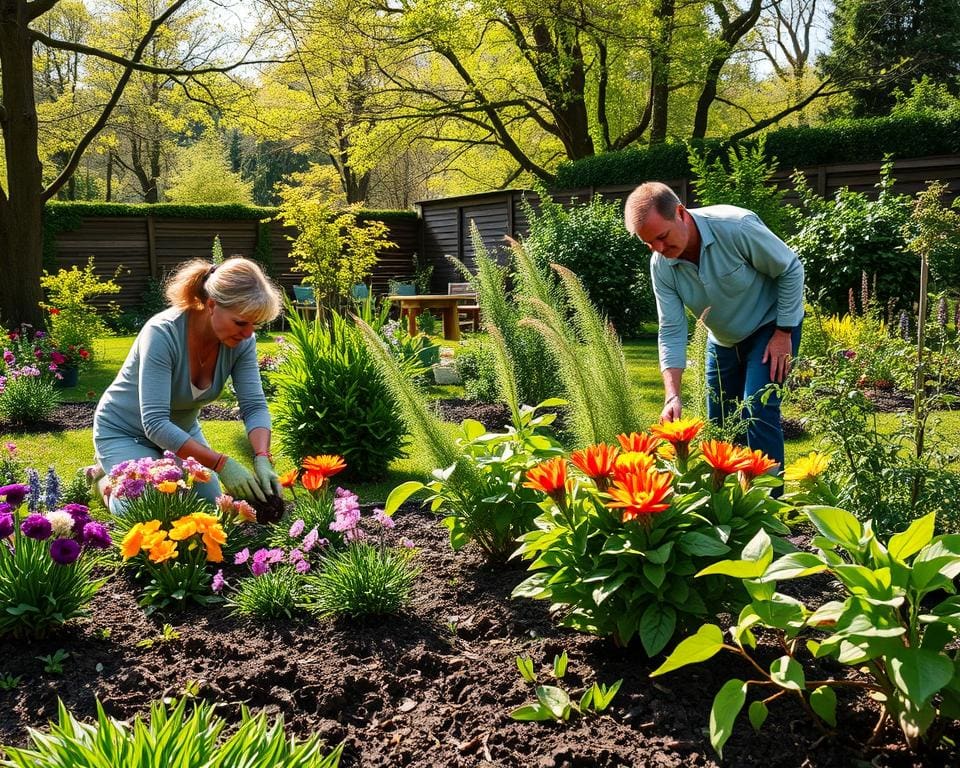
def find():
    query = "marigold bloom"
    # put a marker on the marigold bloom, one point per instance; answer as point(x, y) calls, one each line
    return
point(807, 467)
point(163, 550)
point(677, 432)
point(596, 461)
point(549, 477)
point(313, 481)
point(639, 442)
point(632, 463)
point(167, 486)
point(133, 542)
point(758, 463)
point(289, 479)
point(325, 464)
point(641, 495)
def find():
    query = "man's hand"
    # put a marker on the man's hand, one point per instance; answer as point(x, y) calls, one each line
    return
point(778, 354)
point(672, 409)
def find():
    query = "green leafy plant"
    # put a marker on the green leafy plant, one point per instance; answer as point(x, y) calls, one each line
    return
point(73, 319)
point(616, 556)
point(895, 625)
point(171, 736)
point(53, 662)
point(365, 579)
point(427, 323)
point(167, 635)
point(26, 397)
point(478, 371)
point(553, 702)
point(272, 595)
point(481, 494)
point(10, 682)
point(331, 398)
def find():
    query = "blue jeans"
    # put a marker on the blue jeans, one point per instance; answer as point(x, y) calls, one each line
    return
point(736, 380)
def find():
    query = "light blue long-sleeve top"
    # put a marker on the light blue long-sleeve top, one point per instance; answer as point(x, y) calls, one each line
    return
point(151, 397)
point(747, 276)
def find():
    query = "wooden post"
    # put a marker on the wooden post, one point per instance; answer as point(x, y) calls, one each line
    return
point(152, 247)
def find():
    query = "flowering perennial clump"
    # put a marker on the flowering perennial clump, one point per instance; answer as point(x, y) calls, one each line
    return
point(624, 528)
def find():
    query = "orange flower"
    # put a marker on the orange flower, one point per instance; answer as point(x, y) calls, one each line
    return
point(758, 463)
point(679, 431)
point(167, 486)
point(212, 540)
point(638, 442)
point(725, 458)
point(596, 462)
point(313, 481)
point(325, 464)
point(632, 463)
point(133, 542)
point(549, 477)
point(289, 479)
point(162, 550)
point(641, 495)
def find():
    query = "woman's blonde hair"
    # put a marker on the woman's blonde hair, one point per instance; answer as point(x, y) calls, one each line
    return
point(237, 284)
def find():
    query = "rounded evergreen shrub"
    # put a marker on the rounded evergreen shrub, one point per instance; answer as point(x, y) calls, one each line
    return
point(331, 398)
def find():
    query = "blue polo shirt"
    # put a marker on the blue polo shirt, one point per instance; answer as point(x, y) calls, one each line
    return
point(747, 276)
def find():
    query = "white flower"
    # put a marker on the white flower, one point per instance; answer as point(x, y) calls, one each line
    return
point(62, 524)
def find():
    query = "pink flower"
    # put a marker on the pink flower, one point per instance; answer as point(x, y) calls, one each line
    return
point(302, 566)
point(408, 543)
point(219, 582)
point(296, 530)
point(383, 518)
point(295, 555)
point(310, 540)
point(259, 568)
point(242, 556)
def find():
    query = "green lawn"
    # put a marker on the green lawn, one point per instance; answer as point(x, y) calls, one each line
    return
point(69, 450)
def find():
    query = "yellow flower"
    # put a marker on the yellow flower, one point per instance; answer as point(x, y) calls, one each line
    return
point(162, 550)
point(807, 467)
point(138, 537)
point(168, 486)
point(183, 528)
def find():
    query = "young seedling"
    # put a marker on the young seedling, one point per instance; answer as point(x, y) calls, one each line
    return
point(167, 635)
point(554, 703)
point(53, 663)
point(9, 682)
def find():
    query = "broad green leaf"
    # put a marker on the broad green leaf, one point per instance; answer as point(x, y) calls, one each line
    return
point(525, 665)
point(759, 548)
point(586, 701)
point(400, 494)
point(701, 545)
point(656, 573)
point(794, 566)
point(920, 673)
point(608, 587)
point(787, 673)
point(726, 706)
point(837, 525)
point(472, 429)
point(699, 647)
point(656, 627)
point(738, 569)
point(757, 712)
point(556, 700)
point(560, 665)
point(661, 554)
point(531, 712)
point(779, 613)
point(916, 537)
point(823, 701)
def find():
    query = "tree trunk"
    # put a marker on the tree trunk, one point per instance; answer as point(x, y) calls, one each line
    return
point(21, 206)
point(660, 71)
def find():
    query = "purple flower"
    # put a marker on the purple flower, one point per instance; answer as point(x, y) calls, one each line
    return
point(64, 551)
point(241, 557)
point(408, 543)
point(302, 566)
point(36, 526)
point(131, 488)
point(296, 530)
point(310, 540)
point(80, 515)
point(849, 354)
point(275, 556)
point(383, 518)
point(218, 582)
point(14, 494)
point(295, 555)
point(6, 524)
point(96, 535)
point(258, 568)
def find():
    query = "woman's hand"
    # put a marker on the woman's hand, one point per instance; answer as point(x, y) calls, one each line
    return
point(240, 482)
point(267, 476)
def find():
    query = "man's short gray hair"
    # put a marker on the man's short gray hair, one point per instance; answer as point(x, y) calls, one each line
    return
point(651, 194)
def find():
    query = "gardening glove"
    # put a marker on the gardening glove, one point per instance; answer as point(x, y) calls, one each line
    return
point(240, 482)
point(267, 476)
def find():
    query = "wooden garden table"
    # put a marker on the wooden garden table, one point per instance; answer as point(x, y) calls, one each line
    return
point(446, 303)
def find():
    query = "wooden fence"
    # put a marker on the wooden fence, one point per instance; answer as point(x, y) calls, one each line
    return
point(446, 223)
point(145, 247)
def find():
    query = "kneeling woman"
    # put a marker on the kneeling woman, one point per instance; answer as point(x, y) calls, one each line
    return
point(179, 362)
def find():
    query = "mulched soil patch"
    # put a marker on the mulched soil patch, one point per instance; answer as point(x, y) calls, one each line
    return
point(80, 416)
point(432, 687)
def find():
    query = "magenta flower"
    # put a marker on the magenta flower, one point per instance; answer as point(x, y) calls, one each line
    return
point(36, 526)
point(219, 582)
point(6, 524)
point(64, 551)
point(96, 535)
point(241, 557)
point(295, 555)
point(310, 540)
point(302, 566)
point(14, 494)
point(259, 567)
point(408, 543)
point(296, 530)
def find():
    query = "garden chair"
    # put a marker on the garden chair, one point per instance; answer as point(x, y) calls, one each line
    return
point(469, 314)
point(304, 301)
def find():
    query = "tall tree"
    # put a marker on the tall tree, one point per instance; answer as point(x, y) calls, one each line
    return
point(879, 46)
point(23, 197)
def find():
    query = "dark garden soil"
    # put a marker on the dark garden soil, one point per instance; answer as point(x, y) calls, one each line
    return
point(431, 687)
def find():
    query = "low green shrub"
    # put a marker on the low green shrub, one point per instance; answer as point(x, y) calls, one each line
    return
point(332, 399)
point(271, 595)
point(171, 736)
point(26, 397)
point(477, 370)
point(894, 625)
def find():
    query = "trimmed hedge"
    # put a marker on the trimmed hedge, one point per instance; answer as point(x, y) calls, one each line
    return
point(840, 141)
